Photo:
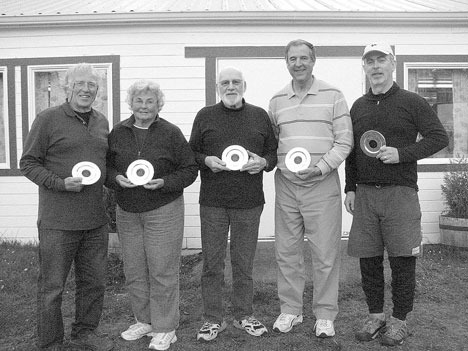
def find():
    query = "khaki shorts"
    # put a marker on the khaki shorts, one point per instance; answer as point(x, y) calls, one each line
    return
point(388, 218)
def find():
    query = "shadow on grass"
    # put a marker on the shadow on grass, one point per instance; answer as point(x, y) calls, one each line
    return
point(438, 322)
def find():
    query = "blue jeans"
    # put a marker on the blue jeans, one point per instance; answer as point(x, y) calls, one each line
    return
point(215, 225)
point(58, 249)
point(151, 246)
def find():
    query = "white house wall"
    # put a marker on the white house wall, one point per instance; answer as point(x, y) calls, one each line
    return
point(158, 52)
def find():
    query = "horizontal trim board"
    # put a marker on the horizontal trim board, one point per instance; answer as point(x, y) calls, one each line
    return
point(267, 51)
point(452, 227)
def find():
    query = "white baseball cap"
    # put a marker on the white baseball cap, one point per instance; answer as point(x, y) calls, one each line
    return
point(379, 47)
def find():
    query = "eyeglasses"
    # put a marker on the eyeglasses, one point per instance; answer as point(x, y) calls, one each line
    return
point(235, 82)
point(81, 84)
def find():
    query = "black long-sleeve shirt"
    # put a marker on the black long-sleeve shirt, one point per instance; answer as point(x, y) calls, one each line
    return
point(217, 127)
point(166, 148)
point(399, 115)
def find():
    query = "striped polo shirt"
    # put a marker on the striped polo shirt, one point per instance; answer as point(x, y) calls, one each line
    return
point(319, 122)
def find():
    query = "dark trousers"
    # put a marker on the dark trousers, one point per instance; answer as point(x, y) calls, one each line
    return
point(58, 249)
point(403, 284)
point(216, 223)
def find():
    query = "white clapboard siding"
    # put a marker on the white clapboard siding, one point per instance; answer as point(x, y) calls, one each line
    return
point(157, 52)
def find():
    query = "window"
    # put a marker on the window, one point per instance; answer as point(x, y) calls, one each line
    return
point(30, 85)
point(445, 89)
point(46, 86)
point(443, 81)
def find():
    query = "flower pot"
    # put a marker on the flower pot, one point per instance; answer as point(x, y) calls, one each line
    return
point(453, 231)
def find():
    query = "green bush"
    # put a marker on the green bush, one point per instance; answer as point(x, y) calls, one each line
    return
point(455, 190)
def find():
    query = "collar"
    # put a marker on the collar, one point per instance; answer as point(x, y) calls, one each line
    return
point(313, 90)
point(233, 109)
point(73, 114)
point(393, 89)
point(129, 122)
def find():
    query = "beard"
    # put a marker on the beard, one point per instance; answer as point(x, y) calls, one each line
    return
point(232, 100)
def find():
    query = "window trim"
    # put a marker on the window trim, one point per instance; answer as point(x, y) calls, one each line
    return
point(6, 121)
point(22, 65)
point(32, 69)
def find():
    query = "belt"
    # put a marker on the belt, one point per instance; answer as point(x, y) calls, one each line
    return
point(379, 185)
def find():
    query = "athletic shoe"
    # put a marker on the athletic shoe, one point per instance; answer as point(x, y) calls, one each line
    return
point(324, 328)
point(136, 331)
point(210, 331)
point(286, 321)
point(395, 333)
point(373, 325)
point(162, 341)
point(251, 325)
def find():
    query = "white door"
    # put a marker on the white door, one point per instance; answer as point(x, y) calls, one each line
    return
point(265, 77)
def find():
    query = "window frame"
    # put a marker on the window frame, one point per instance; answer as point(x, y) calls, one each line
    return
point(405, 62)
point(62, 67)
point(18, 87)
point(6, 122)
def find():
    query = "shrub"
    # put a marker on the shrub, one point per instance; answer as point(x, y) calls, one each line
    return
point(455, 189)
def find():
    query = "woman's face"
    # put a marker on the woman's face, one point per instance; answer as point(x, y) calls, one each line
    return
point(144, 107)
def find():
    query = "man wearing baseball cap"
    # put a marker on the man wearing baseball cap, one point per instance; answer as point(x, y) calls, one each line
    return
point(382, 191)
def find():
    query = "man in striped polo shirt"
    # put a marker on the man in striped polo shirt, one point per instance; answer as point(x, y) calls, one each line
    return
point(311, 114)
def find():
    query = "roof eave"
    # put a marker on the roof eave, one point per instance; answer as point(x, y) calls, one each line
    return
point(222, 18)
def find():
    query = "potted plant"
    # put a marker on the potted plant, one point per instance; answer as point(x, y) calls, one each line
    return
point(453, 222)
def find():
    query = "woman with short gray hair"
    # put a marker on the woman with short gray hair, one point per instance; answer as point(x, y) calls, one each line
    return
point(149, 164)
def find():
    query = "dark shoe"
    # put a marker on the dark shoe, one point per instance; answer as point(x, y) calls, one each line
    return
point(371, 328)
point(92, 341)
point(396, 332)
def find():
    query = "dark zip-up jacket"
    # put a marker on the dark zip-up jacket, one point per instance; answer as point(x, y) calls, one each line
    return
point(166, 148)
point(399, 115)
point(59, 139)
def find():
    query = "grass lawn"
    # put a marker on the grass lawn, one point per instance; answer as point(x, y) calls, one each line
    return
point(438, 323)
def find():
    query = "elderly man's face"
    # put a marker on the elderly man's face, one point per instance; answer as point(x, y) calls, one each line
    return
point(300, 63)
point(379, 69)
point(83, 92)
point(231, 88)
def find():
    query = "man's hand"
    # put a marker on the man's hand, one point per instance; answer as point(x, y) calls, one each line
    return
point(388, 154)
point(349, 201)
point(215, 164)
point(124, 182)
point(154, 184)
point(255, 164)
point(309, 173)
point(73, 184)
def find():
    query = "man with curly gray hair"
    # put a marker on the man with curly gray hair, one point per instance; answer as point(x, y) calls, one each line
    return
point(72, 221)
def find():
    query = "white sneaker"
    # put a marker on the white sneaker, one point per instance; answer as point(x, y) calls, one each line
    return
point(251, 325)
point(324, 328)
point(136, 331)
point(162, 341)
point(210, 331)
point(286, 321)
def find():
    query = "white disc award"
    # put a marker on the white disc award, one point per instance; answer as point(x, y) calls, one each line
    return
point(140, 172)
point(235, 157)
point(88, 171)
point(297, 159)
